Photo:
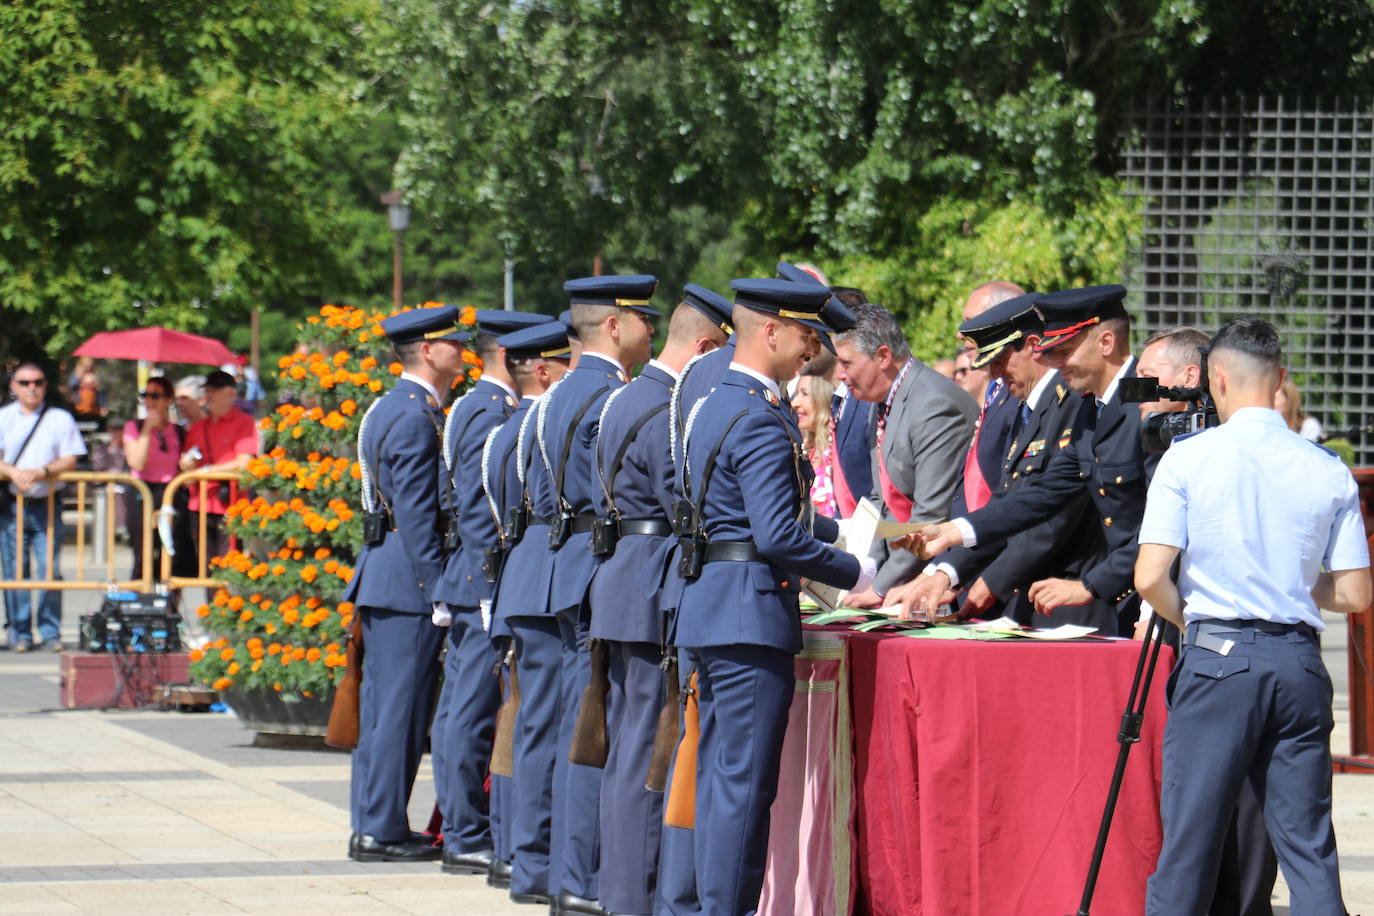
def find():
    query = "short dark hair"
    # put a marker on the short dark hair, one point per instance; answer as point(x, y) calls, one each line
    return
point(163, 385)
point(220, 379)
point(408, 353)
point(484, 345)
point(1251, 336)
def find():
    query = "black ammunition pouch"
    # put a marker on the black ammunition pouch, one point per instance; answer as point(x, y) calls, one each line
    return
point(559, 529)
point(451, 539)
point(682, 517)
point(691, 555)
point(518, 520)
point(376, 525)
point(493, 558)
point(605, 533)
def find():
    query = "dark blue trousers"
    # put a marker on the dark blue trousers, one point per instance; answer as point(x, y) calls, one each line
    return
point(501, 792)
point(1261, 712)
point(744, 693)
point(460, 739)
point(631, 815)
point(395, 705)
point(539, 651)
point(677, 874)
point(576, 846)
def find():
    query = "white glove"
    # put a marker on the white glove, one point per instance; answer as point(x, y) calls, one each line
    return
point(441, 615)
point(868, 571)
point(484, 606)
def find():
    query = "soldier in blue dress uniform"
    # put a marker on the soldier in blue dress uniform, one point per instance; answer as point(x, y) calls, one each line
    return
point(1087, 339)
point(752, 545)
point(613, 320)
point(998, 574)
point(460, 738)
point(407, 507)
point(534, 359)
point(520, 608)
point(635, 469)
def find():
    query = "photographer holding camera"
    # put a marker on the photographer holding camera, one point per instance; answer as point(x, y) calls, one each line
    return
point(1255, 512)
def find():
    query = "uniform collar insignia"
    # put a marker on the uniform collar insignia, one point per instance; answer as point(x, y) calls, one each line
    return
point(1061, 392)
point(510, 401)
point(620, 374)
point(770, 397)
point(429, 399)
point(1066, 437)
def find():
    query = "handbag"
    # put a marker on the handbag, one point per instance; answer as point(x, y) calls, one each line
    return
point(6, 497)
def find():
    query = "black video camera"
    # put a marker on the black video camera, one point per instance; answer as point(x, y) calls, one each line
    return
point(1159, 430)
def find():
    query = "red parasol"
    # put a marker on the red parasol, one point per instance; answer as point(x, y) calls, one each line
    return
point(157, 345)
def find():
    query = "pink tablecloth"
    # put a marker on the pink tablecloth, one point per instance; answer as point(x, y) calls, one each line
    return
point(979, 772)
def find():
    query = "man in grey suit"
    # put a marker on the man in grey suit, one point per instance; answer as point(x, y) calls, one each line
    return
point(925, 423)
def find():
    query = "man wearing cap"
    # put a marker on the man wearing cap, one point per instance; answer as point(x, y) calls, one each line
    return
point(1087, 338)
point(748, 481)
point(535, 358)
point(406, 502)
point(635, 469)
point(1063, 545)
point(613, 319)
point(460, 737)
point(225, 439)
point(924, 426)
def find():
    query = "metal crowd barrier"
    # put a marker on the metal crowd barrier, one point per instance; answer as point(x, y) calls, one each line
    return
point(102, 539)
point(100, 510)
point(203, 480)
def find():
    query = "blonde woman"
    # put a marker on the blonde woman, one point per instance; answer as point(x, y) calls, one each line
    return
point(812, 406)
point(1288, 402)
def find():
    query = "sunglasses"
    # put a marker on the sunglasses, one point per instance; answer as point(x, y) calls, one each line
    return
point(30, 382)
point(155, 395)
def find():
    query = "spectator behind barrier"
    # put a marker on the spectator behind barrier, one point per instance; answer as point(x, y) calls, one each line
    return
point(225, 439)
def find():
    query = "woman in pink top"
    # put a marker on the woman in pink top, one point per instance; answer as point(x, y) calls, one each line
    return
point(812, 406)
point(152, 447)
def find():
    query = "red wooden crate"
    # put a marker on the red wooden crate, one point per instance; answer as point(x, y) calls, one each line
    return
point(92, 680)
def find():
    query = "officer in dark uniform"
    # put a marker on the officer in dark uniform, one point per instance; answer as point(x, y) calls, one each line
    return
point(1087, 338)
point(521, 612)
point(534, 359)
point(613, 319)
point(460, 737)
point(752, 546)
point(1064, 545)
point(406, 504)
point(636, 471)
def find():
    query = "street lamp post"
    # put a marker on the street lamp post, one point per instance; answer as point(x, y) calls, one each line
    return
point(398, 217)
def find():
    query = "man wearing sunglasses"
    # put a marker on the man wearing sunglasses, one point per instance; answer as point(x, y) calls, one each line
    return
point(37, 442)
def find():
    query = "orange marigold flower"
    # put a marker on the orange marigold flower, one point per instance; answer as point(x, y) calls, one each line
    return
point(297, 372)
point(467, 315)
point(256, 665)
point(221, 683)
point(203, 611)
point(278, 570)
point(313, 655)
point(368, 362)
point(236, 603)
point(345, 607)
point(340, 357)
point(290, 616)
point(246, 616)
point(349, 407)
point(374, 385)
point(395, 368)
point(226, 655)
point(233, 668)
point(197, 655)
point(274, 648)
point(297, 653)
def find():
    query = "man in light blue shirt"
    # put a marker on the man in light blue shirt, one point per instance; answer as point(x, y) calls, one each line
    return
point(1268, 527)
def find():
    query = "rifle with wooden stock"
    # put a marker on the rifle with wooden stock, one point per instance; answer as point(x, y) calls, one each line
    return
point(343, 712)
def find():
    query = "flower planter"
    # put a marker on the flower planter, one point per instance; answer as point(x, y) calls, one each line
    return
point(272, 713)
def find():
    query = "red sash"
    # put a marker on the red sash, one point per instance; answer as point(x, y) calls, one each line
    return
point(839, 487)
point(898, 503)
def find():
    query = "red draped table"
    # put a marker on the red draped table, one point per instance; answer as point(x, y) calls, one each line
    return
point(950, 777)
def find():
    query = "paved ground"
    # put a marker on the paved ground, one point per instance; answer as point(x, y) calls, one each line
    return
point(147, 812)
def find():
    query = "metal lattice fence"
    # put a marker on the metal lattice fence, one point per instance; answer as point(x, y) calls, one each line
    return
point(1264, 207)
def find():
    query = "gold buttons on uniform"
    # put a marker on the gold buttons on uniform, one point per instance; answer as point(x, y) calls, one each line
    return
point(1118, 481)
point(1107, 521)
point(1101, 491)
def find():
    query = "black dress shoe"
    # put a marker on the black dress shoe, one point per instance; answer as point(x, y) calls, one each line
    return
point(535, 898)
point(568, 902)
point(468, 863)
point(353, 843)
point(371, 849)
point(499, 874)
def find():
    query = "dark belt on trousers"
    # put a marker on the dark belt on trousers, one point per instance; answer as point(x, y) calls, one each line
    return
point(580, 524)
point(733, 551)
point(656, 526)
point(1219, 635)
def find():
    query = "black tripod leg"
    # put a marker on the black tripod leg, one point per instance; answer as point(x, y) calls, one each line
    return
point(1129, 734)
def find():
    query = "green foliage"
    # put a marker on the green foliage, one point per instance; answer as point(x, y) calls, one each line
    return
point(161, 159)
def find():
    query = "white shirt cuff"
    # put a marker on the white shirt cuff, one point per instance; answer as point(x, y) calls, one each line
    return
point(1145, 611)
point(947, 569)
point(868, 571)
point(966, 530)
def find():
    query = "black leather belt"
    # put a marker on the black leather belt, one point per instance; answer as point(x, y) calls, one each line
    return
point(1211, 633)
point(733, 551)
point(580, 524)
point(656, 526)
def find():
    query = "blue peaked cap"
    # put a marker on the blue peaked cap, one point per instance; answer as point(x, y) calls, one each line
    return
point(632, 291)
point(544, 340)
point(438, 322)
point(710, 303)
point(500, 321)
